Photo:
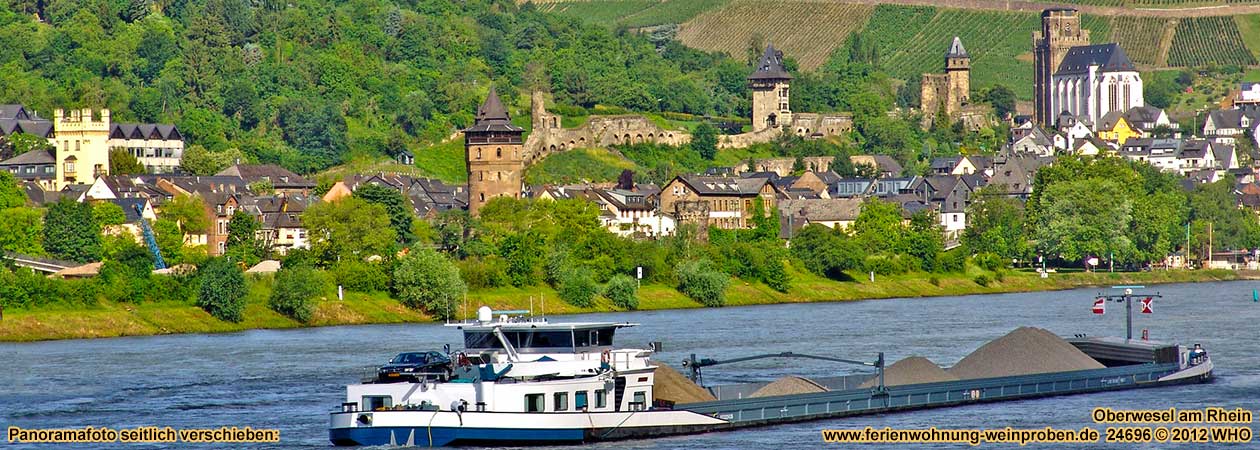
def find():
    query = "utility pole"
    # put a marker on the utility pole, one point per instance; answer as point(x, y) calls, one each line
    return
point(1209, 255)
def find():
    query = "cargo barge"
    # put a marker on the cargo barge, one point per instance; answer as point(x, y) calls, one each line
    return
point(525, 381)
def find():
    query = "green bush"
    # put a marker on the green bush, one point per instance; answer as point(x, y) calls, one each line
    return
point(999, 275)
point(988, 261)
point(699, 281)
point(427, 280)
point(952, 261)
point(23, 288)
point(223, 290)
point(887, 264)
point(294, 292)
point(982, 280)
point(935, 280)
point(361, 276)
point(487, 272)
point(578, 287)
point(623, 291)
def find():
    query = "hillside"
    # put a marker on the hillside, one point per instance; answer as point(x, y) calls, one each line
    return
point(912, 35)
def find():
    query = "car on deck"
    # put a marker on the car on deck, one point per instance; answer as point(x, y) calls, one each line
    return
point(414, 366)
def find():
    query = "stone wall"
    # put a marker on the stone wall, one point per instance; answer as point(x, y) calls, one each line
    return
point(783, 166)
point(548, 136)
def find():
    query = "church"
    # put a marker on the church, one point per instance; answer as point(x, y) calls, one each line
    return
point(1094, 80)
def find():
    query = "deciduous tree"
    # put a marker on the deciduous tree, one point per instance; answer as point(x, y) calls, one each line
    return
point(70, 231)
point(426, 280)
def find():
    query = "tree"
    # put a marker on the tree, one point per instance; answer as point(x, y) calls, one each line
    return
point(11, 195)
point(199, 161)
point(349, 228)
point(1002, 99)
point(701, 282)
point(995, 224)
point(1085, 218)
point(623, 291)
point(878, 226)
point(108, 213)
point(577, 287)
point(189, 212)
point(923, 240)
point(825, 251)
point(295, 292)
point(122, 162)
point(137, 9)
point(23, 230)
point(704, 140)
point(70, 231)
point(20, 143)
point(400, 214)
point(426, 280)
point(242, 239)
point(223, 290)
point(170, 240)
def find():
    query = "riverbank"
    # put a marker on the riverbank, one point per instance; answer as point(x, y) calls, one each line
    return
point(114, 319)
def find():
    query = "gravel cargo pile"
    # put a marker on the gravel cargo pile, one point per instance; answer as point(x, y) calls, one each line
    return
point(1025, 351)
point(673, 386)
point(911, 370)
point(787, 386)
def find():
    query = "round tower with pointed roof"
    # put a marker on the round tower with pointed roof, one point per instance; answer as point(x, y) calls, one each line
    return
point(770, 85)
point(495, 153)
point(958, 70)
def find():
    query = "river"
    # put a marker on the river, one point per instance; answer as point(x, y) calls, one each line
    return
point(290, 379)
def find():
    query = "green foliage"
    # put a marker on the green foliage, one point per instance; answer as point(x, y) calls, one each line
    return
point(704, 140)
point(122, 162)
point(1085, 218)
point(170, 240)
point(878, 226)
point(578, 287)
point(989, 261)
point(11, 195)
point(701, 282)
point(398, 208)
point(70, 231)
point(350, 228)
point(576, 166)
point(199, 161)
point(24, 288)
point(426, 280)
point(1002, 99)
point(995, 224)
point(242, 239)
point(522, 252)
point(1201, 41)
point(361, 276)
point(222, 292)
point(108, 213)
point(189, 212)
point(21, 143)
point(923, 240)
point(126, 271)
point(23, 230)
point(623, 291)
point(295, 292)
point(983, 280)
point(825, 251)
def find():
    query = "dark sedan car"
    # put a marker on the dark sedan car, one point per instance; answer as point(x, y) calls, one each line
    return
point(412, 366)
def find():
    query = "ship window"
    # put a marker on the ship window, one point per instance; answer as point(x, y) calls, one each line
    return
point(640, 401)
point(601, 398)
point(534, 403)
point(377, 402)
point(481, 339)
point(541, 339)
point(579, 400)
point(562, 401)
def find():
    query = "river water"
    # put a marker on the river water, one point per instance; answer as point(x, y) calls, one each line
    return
point(290, 379)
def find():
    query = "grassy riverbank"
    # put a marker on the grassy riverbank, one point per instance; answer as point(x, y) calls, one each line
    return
point(112, 319)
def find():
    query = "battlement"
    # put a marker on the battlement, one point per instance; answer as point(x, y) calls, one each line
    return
point(81, 120)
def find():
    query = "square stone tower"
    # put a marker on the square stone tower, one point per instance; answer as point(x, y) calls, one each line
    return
point(1060, 31)
point(495, 154)
point(958, 72)
point(770, 92)
point(81, 146)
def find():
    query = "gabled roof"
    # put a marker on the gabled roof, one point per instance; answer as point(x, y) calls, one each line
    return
point(279, 177)
point(1231, 118)
point(1110, 58)
point(770, 67)
point(493, 116)
point(29, 158)
point(822, 210)
point(956, 50)
point(1139, 115)
point(1224, 153)
point(1109, 121)
point(129, 206)
point(13, 111)
point(705, 185)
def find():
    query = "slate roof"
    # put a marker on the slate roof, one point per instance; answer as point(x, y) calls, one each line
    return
point(1110, 57)
point(129, 206)
point(492, 116)
point(1231, 118)
point(13, 111)
point(30, 158)
point(956, 50)
point(822, 210)
point(1139, 115)
point(146, 131)
point(279, 177)
point(770, 67)
point(705, 185)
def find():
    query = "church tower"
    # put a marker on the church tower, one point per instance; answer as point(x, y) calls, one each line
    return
point(769, 85)
point(494, 151)
point(1060, 31)
point(958, 74)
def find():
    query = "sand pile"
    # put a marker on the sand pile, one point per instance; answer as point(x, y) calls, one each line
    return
point(787, 386)
point(1025, 351)
point(674, 387)
point(912, 370)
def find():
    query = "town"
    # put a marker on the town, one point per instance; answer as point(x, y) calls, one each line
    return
point(958, 183)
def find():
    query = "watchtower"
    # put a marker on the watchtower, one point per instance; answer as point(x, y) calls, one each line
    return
point(770, 85)
point(494, 151)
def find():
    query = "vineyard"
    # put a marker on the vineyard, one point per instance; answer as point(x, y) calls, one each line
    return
point(1139, 37)
point(1208, 40)
point(670, 11)
point(807, 32)
point(602, 12)
point(1157, 3)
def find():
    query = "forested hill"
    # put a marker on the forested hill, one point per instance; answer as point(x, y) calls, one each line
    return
point(310, 83)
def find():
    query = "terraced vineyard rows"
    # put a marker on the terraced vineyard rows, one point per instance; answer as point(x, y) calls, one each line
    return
point(602, 12)
point(1203, 40)
point(1156, 3)
point(670, 11)
point(805, 31)
point(1139, 37)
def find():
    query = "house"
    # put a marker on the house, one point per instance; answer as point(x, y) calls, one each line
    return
point(428, 197)
point(37, 166)
point(1013, 175)
point(1036, 142)
point(950, 195)
point(813, 182)
point(406, 158)
point(722, 202)
point(1227, 125)
point(134, 210)
point(220, 196)
point(1248, 98)
point(634, 213)
point(1072, 131)
point(838, 213)
point(1090, 146)
point(112, 187)
point(159, 147)
point(1114, 128)
point(1149, 119)
point(17, 119)
point(281, 179)
point(280, 221)
point(884, 165)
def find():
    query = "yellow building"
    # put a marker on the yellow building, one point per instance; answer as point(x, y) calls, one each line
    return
point(1115, 128)
point(81, 146)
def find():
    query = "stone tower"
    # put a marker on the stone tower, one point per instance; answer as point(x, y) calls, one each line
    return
point(81, 146)
point(1060, 31)
point(495, 154)
point(958, 74)
point(769, 85)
